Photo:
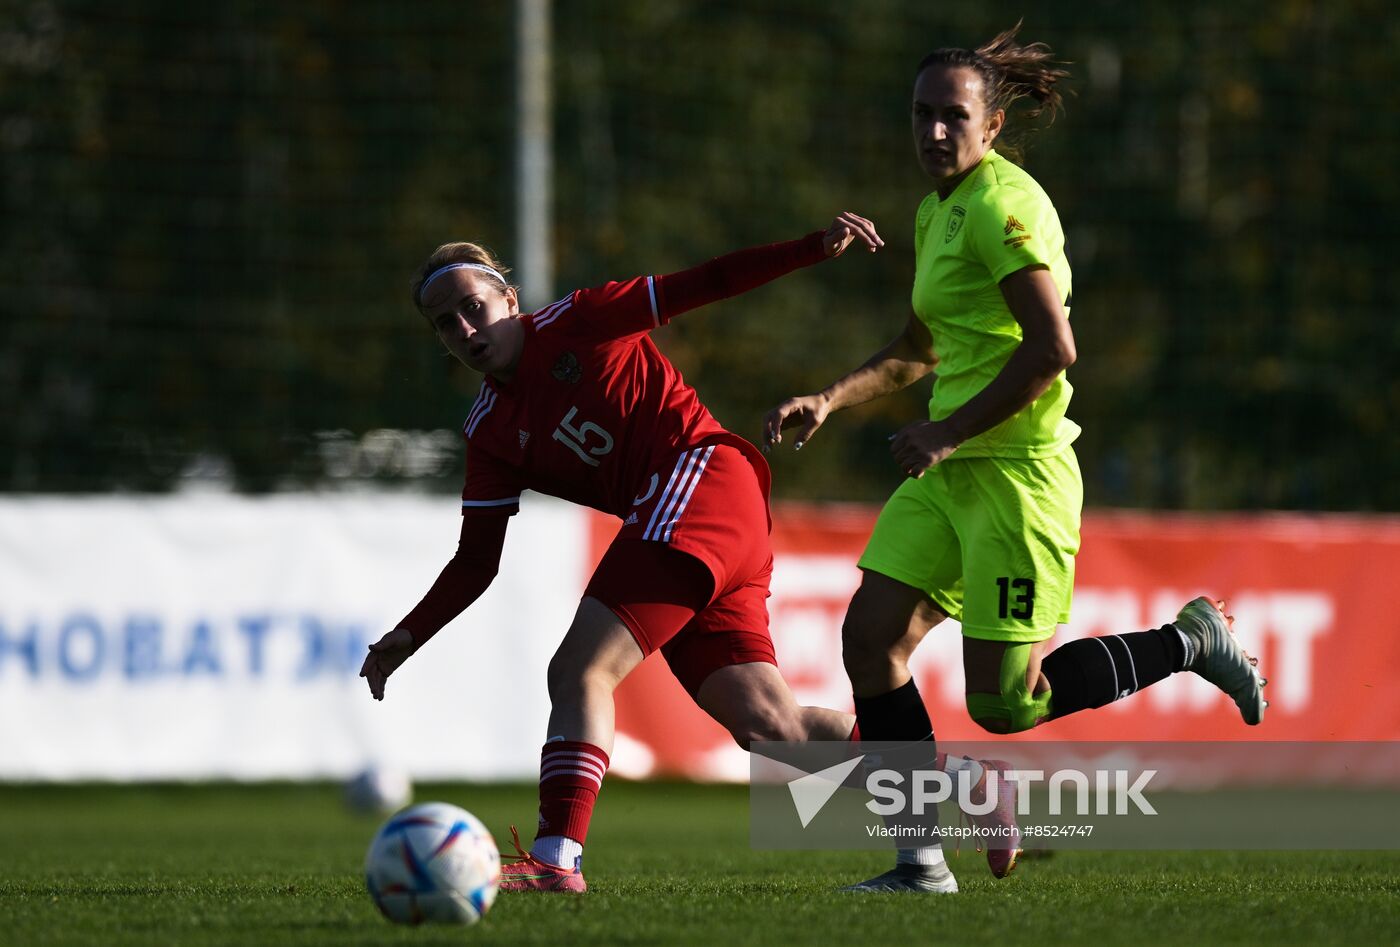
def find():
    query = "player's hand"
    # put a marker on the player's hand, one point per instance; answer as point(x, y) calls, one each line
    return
point(805, 413)
point(921, 445)
point(846, 228)
point(384, 658)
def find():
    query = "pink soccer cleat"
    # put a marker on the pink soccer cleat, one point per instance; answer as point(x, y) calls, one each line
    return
point(527, 873)
point(1003, 842)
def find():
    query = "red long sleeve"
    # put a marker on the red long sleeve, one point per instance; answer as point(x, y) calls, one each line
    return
point(735, 273)
point(463, 579)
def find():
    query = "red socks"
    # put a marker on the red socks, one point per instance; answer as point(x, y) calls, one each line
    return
point(571, 773)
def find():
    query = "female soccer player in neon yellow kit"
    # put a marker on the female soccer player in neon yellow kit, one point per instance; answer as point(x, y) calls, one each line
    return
point(987, 526)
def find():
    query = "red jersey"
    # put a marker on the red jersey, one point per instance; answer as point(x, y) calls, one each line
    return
point(592, 408)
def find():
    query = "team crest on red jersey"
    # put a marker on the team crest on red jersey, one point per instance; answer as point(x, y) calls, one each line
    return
point(567, 368)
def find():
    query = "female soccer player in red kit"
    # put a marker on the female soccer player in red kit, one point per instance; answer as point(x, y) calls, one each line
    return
point(579, 403)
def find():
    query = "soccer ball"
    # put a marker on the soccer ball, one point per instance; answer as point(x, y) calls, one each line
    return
point(378, 789)
point(435, 863)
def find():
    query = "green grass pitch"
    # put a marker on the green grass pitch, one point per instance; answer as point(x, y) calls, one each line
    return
point(667, 863)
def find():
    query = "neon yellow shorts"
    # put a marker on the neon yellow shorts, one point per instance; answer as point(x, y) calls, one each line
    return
point(991, 540)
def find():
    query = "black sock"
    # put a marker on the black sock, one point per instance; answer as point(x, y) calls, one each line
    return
point(1092, 672)
point(896, 717)
point(900, 717)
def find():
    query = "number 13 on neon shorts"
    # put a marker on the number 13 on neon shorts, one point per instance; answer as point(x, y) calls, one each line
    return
point(576, 438)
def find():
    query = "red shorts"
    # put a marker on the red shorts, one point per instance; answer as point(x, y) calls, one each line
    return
point(705, 609)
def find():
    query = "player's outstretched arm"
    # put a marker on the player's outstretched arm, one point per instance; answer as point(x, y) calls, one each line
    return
point(901, 363)
point(743, 270)
point(461, 582)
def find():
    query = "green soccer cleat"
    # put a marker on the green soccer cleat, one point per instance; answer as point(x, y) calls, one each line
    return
point(911, 879)
point(1219, 657)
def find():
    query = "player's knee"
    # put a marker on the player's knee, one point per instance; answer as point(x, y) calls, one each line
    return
point(568, 681)
point(1003, 713)
point(862, 657)
point(997, 725)
point(562, 680)
point(1013, 708)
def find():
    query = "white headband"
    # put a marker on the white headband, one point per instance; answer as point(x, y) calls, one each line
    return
point(480, 267)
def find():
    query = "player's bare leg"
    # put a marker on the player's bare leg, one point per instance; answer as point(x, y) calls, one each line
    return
point(884, 624)
point(982, 672)
point(596, 654)
point(753, 702)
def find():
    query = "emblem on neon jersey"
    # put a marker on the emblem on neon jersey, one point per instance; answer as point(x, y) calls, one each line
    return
point(955, 222)
point(567, 368)
point(1012, 224)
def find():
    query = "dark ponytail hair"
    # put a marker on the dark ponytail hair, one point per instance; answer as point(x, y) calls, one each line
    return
point(1010, 73)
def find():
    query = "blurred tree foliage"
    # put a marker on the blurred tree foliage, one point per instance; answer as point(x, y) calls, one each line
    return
point(209, 215)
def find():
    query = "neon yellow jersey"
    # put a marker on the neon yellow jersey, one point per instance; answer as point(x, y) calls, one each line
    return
point(997, 221)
